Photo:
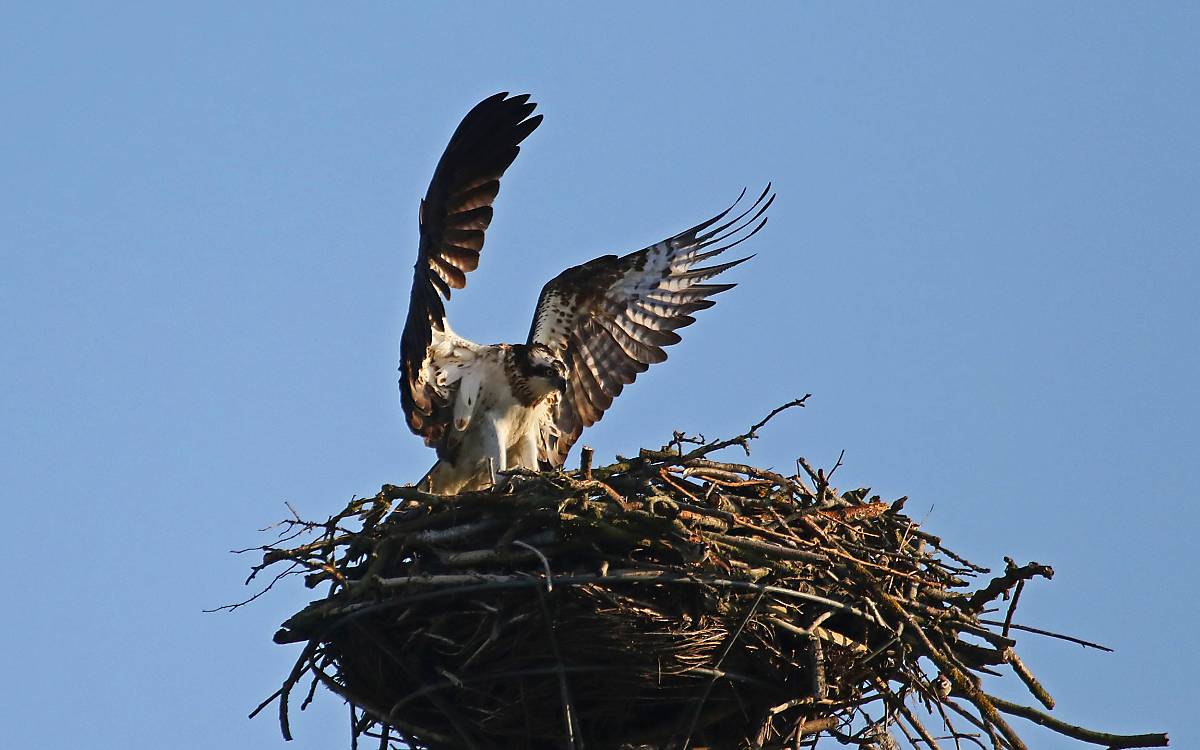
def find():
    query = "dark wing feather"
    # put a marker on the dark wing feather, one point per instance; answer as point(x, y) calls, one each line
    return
point(456, 211)
point(610, 318)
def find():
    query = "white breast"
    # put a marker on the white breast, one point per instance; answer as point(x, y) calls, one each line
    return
point(490, 430)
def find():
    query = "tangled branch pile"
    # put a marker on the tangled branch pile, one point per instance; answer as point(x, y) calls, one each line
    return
point(665, 601)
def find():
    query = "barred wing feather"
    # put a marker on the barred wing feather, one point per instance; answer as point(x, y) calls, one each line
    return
point(610, 318)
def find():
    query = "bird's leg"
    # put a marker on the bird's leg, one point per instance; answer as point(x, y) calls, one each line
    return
point(493, 447)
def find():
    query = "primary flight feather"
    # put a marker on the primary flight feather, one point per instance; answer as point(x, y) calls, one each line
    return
point(488, 408)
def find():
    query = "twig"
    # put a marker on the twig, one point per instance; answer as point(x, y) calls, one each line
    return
point(744, 439)
point(542, 557)
point(829, 474)
point(1012, 608)
point(1113, 741)
point(564, 690)
point(298, 669)
point(1000, 584)
point(1027, 677)
point(1048, 634)
point(585, 462)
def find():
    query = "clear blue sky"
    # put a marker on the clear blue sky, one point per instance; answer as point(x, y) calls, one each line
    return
point(982, 264)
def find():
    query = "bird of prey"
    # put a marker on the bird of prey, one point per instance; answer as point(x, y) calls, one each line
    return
point(491, 408)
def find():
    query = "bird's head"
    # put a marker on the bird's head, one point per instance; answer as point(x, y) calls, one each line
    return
point(542, 367)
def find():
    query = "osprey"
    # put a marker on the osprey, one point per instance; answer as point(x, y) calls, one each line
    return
point(486, 409)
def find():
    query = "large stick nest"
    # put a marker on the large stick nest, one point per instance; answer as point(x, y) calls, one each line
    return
point(666, 601)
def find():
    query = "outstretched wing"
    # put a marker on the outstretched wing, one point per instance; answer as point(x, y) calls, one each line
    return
point(610, 318)
point(454, 214)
